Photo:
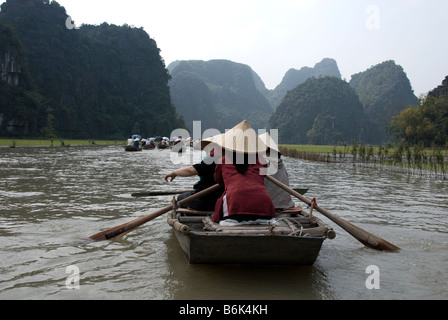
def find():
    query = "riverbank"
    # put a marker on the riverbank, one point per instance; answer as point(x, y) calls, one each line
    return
point(13, 143)
point(409, 160)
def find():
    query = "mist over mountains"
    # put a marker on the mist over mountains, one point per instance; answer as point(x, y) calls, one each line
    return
point(304, 106)
point(109, 81)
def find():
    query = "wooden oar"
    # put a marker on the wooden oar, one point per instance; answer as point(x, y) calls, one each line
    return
point(366, 238)
point(158, 193)
point(165, 193)
point(129, 226)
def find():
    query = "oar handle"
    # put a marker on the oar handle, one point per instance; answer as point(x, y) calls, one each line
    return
point(361, 235)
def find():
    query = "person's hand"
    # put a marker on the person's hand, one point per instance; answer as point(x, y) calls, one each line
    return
point(171, 175)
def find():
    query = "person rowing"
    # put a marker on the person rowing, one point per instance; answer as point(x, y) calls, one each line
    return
point(205, 170)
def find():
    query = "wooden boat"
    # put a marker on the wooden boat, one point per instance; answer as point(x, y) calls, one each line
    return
point(163, 146)
point(132, 148)
point(295, 239)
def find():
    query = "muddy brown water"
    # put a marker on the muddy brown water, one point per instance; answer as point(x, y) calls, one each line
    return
point(52, 199)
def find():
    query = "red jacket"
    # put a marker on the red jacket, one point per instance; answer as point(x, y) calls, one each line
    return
point(245, 193)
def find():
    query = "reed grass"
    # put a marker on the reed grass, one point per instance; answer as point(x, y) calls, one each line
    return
point(412, 160)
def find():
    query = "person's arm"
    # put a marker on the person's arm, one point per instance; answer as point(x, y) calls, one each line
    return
point(182, 172)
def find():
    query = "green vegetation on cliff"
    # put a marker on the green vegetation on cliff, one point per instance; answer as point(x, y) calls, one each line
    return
point(384, 90)
point(220, 93)
point(293, 77)
point(319, 111)
point(102, 81)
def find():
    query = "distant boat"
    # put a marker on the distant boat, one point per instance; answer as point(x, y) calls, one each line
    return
point(163, 145)
point(132, 148)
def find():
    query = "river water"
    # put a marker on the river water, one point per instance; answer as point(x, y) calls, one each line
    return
point(52, 199)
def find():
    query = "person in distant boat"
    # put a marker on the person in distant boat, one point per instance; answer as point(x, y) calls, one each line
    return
point(281, 199)
point(163, 144)
point(130, 141)
point(136, 143)
point(205, 170)
point(240, 173)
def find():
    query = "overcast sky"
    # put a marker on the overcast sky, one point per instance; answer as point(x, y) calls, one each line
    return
point(272, 36)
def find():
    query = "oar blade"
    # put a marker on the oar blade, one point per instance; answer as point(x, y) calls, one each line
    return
point(374, 242)
point(366, 238)
point(387, 246)
point(110, 233)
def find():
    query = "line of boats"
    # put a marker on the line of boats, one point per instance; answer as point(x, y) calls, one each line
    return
point(136, 143)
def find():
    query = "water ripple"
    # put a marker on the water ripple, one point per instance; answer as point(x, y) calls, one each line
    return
point(53, 199)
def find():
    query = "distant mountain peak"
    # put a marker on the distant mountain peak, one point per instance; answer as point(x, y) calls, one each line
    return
point(294, 77)
point(218, 92)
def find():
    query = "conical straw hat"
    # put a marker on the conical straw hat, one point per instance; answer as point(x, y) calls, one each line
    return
point(241, 138)
point(207, 141)
point(269, 142)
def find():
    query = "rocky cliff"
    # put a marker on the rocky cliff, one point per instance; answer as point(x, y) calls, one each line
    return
point(220, 93)
point(440, 90)
point(294, 77)
point(10, 66)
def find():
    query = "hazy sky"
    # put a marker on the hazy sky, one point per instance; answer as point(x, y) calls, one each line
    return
point(272, 36)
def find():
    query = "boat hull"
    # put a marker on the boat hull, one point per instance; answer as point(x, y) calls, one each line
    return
point(132, 148)
point(295, 239)
point(249, 249)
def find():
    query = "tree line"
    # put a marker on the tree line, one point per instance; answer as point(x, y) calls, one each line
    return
point(425, 124)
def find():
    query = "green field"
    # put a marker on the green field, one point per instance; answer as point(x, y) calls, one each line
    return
point(313, 148)
point(54, 142)
point(348, 149)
